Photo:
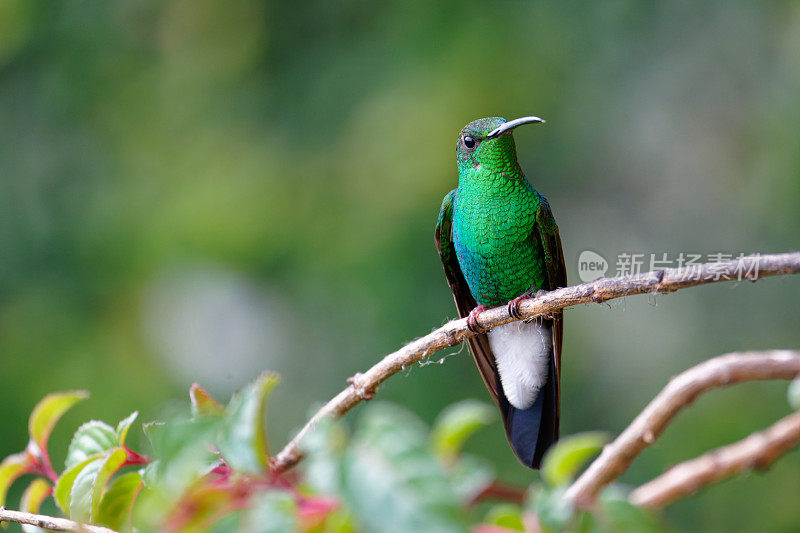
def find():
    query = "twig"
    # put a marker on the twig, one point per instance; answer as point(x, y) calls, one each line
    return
point(757, 451)
point(49, 522)
point(455, 331)
point(681, 391)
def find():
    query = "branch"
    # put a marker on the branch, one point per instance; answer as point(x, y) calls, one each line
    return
point(49, 522)
point(454, 332)
point(681, 391)
point(757, 451)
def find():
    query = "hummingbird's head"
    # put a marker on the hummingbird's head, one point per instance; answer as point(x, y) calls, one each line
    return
point(487, 142)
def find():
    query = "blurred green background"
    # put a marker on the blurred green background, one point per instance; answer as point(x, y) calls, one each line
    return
point(199, 190)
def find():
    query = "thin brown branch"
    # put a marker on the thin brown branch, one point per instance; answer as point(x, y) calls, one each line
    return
point(755, 452)
point(601, 290)
point(681, 391)
point(49, 522)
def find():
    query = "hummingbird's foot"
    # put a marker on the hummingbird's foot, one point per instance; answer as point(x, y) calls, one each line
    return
point(355, 381)
point(472, 319)
point(513, 305)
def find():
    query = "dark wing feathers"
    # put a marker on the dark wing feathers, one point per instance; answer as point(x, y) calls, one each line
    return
point(547, 232)
point(556, 273)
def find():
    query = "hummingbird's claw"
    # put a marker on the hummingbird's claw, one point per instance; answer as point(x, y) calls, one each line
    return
point(355, 381)
point(472, 319)
point(513, 305)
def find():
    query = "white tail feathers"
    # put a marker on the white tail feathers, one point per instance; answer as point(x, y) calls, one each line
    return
point(522, 353)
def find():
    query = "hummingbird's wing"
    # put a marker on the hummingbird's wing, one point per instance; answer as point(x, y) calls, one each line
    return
point(479, 344)
point(546, 230)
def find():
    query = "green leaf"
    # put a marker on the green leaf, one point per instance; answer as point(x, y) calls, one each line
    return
point(202, 402)
point(182, 454)
point(63, 490)
point(150, 473)
point(113, 463)
point(243, 441)
point(392, 480)
point(32, 499)
point(34, 495)
point(506, 515)
point(564, 460)
point(324, 447)
point(11, 468)
point(271, 512)
point(47, 413)
point(116, 504)
point(123, 427)
point(90, 439)
point(456, 424)
point(586, 522)
point(625, 516)
point(469, 476)
point(89, 484)
point(226, 524)
point(340, 521)
point(552, 509)
point(793, 394)
point(208, 504)
point(152, 430)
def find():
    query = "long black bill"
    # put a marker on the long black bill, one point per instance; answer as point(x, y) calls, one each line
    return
point(510, 125)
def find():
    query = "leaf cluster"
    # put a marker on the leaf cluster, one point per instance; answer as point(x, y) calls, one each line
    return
point(209, 470)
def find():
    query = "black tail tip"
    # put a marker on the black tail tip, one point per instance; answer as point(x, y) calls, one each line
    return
point(532, 431)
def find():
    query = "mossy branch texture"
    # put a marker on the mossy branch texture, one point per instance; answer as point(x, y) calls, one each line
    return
point(363, 386)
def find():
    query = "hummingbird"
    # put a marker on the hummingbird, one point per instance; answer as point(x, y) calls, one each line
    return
point(499, 244)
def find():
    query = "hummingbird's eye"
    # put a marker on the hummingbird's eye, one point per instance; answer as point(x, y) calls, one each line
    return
point(469, 142)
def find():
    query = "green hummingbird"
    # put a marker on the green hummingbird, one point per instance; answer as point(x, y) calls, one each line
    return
point(499, 243)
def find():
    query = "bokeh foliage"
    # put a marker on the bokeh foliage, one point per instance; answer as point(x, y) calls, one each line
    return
point(198, 190)
point(209, 472)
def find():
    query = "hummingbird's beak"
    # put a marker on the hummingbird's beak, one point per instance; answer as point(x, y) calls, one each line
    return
point(510, 125)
